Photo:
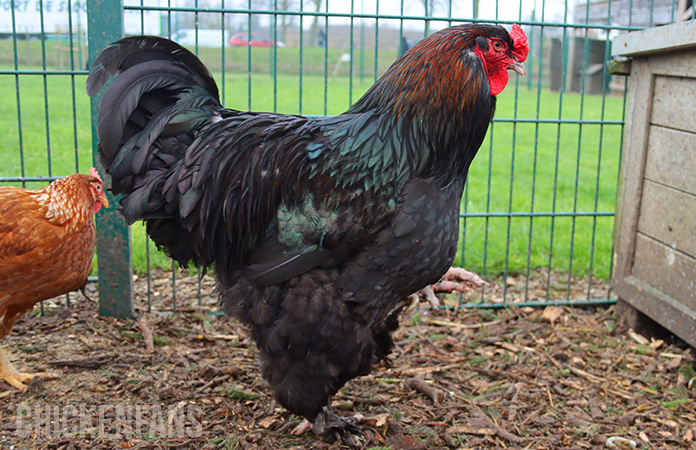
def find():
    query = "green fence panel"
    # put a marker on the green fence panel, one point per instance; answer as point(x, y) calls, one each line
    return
point(538, 209)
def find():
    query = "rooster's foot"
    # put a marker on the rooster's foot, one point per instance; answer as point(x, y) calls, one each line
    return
point(460, 275)
point(430, 295)
point(457, 280)
point(333, 427)
point(302, 428)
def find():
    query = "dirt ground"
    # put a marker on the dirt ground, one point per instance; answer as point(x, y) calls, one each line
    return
point(559, 377)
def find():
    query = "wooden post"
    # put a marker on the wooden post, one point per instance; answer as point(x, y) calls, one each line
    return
point(114, 260)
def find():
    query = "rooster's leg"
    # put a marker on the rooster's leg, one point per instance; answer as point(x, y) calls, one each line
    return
point(17, 379)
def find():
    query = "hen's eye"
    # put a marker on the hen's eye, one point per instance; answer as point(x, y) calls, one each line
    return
point(497, 45)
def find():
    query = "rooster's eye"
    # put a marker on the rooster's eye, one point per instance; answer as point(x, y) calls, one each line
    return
point(497, 45)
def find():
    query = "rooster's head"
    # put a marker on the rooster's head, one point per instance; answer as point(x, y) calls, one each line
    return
point(500, 52)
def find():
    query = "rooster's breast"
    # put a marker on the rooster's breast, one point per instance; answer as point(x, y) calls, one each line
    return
point(413, 252)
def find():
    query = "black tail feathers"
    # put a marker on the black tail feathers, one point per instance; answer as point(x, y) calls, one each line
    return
point(131, 51)
point(159, 89)
point(160, 97)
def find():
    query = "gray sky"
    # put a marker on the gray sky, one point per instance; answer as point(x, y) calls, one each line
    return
point(509, 10)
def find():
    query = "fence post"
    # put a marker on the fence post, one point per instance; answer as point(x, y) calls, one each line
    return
point(105, 18)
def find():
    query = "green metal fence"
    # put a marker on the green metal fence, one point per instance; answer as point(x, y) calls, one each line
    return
point(537, 214)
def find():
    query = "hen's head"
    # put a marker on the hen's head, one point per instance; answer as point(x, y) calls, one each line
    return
point(72, 201)
point(97, 190)
point(500, 51)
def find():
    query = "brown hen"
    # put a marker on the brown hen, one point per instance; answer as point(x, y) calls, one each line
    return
point(47, 239)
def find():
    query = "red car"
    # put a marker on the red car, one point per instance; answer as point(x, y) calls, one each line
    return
point(257, 40)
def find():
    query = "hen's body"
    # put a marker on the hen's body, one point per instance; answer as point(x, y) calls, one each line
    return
point(47, 239)
point(318, 228)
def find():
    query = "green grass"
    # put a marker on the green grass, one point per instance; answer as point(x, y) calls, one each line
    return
point(580, 163)
point(485, 242)
point(58, 56)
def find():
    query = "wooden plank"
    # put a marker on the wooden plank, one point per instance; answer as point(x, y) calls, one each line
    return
point(666, 269)
point(619, 67)
point(633, 155)
point(671, 158)
point(667, 215)
point(674, 64)
point(674, 103)
point(662, 308)
point(637, 319)
point(654, 40)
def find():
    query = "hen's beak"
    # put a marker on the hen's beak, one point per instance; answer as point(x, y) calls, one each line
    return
point(518, 67)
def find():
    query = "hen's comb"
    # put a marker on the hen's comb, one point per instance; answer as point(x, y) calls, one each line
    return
point(520, 49)
point(95, 174)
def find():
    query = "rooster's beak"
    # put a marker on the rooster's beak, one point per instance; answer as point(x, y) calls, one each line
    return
point(518, 67)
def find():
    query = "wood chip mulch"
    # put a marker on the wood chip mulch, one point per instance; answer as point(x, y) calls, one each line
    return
point(532, 378)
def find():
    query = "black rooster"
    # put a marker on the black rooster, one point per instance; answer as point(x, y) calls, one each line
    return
point(318, 229)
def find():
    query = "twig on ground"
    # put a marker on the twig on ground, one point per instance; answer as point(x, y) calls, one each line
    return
point(147, 334)
point(472, 326)
point(432, 392)
point(93, 362)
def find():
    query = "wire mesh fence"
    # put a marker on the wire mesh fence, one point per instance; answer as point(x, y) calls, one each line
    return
point(537, 213)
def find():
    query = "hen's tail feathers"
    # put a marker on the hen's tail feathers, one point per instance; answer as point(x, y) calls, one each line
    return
point(161, 96)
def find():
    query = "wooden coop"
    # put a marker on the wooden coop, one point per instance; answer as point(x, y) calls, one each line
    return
point(655, 231)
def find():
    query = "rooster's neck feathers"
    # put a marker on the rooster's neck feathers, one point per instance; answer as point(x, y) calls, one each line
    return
point(436, 100)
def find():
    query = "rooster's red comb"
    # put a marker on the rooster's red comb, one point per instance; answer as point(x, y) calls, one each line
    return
point(95, 174)
point(520, 48)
